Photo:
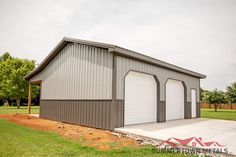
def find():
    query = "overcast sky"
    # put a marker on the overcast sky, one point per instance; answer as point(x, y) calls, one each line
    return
point(199, 35)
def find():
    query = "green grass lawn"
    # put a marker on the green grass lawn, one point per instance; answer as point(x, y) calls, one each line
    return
point(20, 141)
point(22, 109)
point(220, 114)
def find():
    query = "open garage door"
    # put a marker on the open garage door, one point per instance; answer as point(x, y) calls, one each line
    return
point(174, 100)
point(140, 98)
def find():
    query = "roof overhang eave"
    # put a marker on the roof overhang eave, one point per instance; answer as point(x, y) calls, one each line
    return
point(150, 60)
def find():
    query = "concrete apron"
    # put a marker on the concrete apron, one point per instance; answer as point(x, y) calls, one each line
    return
point(221, 131)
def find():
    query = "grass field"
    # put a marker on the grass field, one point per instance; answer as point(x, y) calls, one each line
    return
point(20, 141)
point(220, 114)
point(22, 109)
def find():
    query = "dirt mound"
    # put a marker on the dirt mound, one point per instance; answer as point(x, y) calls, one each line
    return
point(100, 139)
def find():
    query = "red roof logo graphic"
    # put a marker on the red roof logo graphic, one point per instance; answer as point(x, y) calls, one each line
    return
point(192, 142)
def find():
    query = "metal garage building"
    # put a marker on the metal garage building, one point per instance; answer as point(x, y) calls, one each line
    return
point(106, 86)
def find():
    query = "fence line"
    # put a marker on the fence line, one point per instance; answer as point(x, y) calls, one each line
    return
point(221, 106)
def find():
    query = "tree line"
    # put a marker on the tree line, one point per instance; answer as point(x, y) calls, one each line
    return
point(217, 97)
point(13, 86)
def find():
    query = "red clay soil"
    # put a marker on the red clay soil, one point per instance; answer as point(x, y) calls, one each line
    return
point(100, 139)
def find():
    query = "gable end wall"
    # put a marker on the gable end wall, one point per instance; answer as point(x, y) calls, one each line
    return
point(77, 72)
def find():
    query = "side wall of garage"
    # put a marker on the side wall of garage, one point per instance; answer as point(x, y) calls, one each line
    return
point(124, 65)
point(85, 85)
point(77, 72)
point(76, 87)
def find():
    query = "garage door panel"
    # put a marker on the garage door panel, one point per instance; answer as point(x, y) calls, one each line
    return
point(140, 98)
point(174, 100)
point(194, 103)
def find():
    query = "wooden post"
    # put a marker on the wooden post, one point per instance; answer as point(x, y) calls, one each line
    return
point(29, 98)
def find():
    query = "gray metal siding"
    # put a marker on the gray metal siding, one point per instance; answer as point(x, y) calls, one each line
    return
point(117, 118)
point(198, 110)
point(188, 110)
point(77, 72)
point(124, 65)
point(93, 113)
point(161, 112)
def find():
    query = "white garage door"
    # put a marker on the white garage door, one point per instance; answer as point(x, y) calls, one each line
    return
point(194, 102)
point(140, 98)
point(174, 100)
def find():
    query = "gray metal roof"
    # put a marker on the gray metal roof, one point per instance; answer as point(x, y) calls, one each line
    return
point(113, 49)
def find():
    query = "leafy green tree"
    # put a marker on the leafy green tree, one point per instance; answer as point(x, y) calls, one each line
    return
point(12, 83)
point(201, 94)
point(231, 94)
point(4, 95)
point(205, 96)
point(5, 56)
point(214, 97)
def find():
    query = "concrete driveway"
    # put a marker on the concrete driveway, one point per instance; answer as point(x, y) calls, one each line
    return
point(221, 131)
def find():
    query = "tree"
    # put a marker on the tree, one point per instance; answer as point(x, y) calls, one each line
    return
point(201, 94)
point(231, 94)
point(215, 97)
point(205, 96)
point(5, 56)
point(4, 95)
point(12, 83)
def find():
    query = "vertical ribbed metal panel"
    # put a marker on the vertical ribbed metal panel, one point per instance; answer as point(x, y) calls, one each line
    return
point(94, 113)
point(124, 65)
point(118, 114)
point(78, 72)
